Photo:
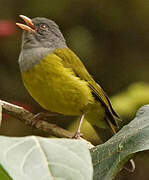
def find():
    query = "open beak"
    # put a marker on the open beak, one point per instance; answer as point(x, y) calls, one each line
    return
point(29, 24)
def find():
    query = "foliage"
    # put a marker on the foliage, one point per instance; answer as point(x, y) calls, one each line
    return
point(110, 157)
point(35, 157)
point(43, 158)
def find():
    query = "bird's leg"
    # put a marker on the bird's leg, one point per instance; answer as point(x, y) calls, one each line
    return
point(43, 116)
point(77, 134)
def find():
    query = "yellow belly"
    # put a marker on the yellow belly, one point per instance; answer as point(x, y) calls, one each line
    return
point(56, 88)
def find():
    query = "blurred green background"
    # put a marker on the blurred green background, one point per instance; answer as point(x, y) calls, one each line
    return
point(111, 38)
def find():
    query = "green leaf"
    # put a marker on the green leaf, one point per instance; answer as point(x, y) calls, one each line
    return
point(3, 174)
point(45, 159)
point(0, 114)
point(109, 157)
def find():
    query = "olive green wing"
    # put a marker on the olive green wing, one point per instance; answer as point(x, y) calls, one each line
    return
point(70, 60)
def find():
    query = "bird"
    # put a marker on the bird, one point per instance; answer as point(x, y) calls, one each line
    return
point(58, 80)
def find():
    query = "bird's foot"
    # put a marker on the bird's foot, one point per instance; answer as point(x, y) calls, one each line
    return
point(35, 119)
point(46, 115)
point(41, 116)
point(77, 135)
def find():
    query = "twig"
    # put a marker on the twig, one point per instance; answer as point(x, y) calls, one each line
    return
point(27, 117)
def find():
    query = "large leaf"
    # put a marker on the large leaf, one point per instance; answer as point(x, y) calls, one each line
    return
point(109, 157)
point(40, 158)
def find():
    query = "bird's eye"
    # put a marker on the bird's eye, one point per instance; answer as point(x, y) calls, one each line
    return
point(43, 27)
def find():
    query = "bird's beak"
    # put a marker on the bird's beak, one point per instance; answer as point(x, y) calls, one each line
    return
point(29, 24)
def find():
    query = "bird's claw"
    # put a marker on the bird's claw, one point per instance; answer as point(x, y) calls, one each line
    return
point(77, 135)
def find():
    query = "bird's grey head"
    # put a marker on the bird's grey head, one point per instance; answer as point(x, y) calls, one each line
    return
point(41, 36)
point(45, 33)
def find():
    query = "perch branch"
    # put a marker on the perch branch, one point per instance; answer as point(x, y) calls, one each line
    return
point(27, 117)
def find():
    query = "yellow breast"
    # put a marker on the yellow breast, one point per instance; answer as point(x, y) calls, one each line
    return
point(57, 88)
